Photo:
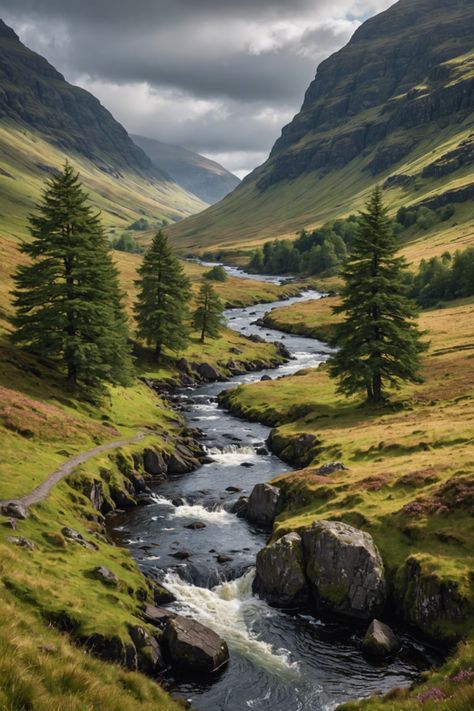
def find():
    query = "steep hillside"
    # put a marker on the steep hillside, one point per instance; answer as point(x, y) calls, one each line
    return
point(393, 107)
point(195, 173)
point(44, 120)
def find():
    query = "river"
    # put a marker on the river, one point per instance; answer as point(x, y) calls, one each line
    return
point(278, 661)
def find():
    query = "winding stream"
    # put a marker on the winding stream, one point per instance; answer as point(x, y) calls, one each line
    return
point(279, 661)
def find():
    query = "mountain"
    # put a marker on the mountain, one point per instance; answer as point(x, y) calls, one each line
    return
point(195, 173)
point(44, 120)
point(394, 106)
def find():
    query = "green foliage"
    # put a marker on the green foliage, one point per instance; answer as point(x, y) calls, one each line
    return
point(379, 344)
point(161, 309)
point(140, 225)
point(126, 243)
point(443, 278)
point(209, 315)
point(67, 299)
point(217, 273)
point(421, 218)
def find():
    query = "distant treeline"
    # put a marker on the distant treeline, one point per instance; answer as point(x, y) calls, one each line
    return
point(443, 278)
point(323, 250)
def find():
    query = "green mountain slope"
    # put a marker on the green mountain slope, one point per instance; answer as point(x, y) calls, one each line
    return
point(205, 178)
point(44, 119)
point(395, 106)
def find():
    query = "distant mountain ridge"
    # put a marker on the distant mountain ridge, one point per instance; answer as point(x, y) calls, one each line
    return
point(396, 99)
point(207, 179)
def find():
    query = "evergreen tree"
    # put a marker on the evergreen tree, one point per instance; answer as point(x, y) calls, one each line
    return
point(67, 300)
point(163, 295)
point(379, 343)
point(209, 315)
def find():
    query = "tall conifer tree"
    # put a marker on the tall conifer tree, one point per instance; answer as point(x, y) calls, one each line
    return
point(68, 305)
point(209, 315)
point(379, 341)
point(161, 309)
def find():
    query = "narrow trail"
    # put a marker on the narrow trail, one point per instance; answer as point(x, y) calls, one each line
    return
point(42, 491)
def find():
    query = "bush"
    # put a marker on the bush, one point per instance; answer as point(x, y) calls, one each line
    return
point(217, 273)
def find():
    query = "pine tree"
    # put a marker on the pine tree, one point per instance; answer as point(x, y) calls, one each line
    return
point(68, 305)
point(161, 309)
point(379, 342)
point(209, 315)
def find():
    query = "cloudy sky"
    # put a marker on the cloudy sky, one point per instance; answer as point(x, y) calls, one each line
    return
point(216, 76)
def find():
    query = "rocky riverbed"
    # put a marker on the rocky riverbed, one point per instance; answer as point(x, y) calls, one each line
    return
point(202, 538)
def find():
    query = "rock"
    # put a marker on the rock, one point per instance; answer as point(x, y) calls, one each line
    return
point(208, 372)
point(121, 498)
point(236, 351)
point(178, 501)
point(282, 350)
point(330, 468)
point(72, 535)
point(181, 555)
point(182, 460)
point(265, 378)
point(431, 602)
point(262, 451)
point(157, 616)
point(240, 506)
point(105, 575)
point(280, 573)
point(247, 465)
point(183, 365)
point(380, 641)
point(193, 646)
point(262, 504)
point(161, 594)
point(138, 482)
point(149, 657)
point(196, 525)
point(222, 558)
point(21, 542)
point(15, 509)
point(233, 489)
point(153, 462)
point(345, 570)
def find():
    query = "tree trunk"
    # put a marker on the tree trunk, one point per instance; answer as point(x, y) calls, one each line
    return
point(158, 352)
point(377, 386)
point(71, 374)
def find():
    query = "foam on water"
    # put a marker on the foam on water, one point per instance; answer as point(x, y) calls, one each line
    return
point(231, 610)
point(196, 512)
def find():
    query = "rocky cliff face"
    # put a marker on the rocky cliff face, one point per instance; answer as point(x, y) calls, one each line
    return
point(398, 97)
point(195, 173)
point(407, 67)
point(34, 94)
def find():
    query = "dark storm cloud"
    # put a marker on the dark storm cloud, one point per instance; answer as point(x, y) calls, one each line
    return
point(215, 75)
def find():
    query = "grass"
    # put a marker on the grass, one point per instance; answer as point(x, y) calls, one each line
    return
point(313, 319)
point(409, 480)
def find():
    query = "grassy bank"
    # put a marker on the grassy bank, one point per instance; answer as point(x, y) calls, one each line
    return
point(409, 480)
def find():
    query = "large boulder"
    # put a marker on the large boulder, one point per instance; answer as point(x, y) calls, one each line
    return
point(380, 641)
point(262, 505)
point(280, 576)
point(194, 647)
point(149, 657)
point(153, 462)
point(208, 372)
point(345, 570)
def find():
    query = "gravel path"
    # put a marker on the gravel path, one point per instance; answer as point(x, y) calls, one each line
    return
point(42, 491)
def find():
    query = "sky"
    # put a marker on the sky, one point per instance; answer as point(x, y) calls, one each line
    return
point(218, 77)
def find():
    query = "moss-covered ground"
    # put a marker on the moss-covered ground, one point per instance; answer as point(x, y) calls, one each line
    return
point(410, 470)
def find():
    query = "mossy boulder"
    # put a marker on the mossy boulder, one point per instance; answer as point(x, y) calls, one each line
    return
point(344, 569)
point(262, 504)
point(430, 602)
point(280, 577)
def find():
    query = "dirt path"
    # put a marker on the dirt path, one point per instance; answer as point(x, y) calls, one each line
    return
point(41, 491)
